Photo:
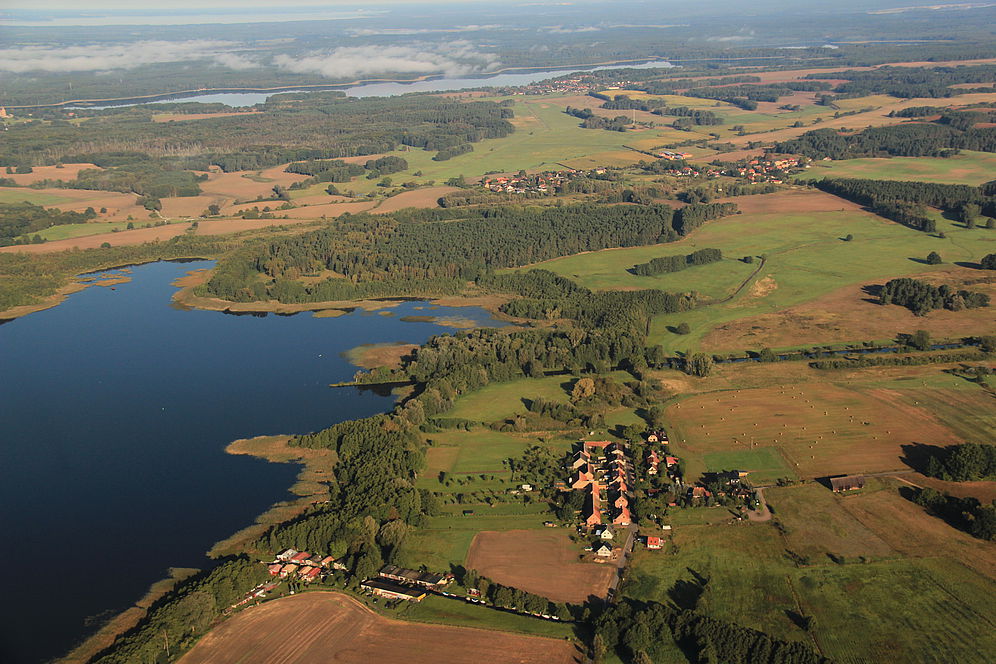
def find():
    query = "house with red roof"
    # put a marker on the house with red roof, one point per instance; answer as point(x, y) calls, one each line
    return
point(309, 574)
point(653, 542)
point(274, 569)
point(300, 557)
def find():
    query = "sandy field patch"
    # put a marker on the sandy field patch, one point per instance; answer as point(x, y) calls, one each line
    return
point(67, 172)
point(851, 314)
point(819, 429)
point(181, 117)
point(792, 200)
point(544, 562)
point(319, 628)
point(420, 198)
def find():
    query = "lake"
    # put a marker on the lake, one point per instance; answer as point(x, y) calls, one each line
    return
point(117, 407)
point(391, 89)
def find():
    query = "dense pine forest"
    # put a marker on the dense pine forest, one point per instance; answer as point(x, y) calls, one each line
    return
point(423, 252)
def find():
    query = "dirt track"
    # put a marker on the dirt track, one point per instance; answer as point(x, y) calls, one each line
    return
point(319, 628)
point(540, 561)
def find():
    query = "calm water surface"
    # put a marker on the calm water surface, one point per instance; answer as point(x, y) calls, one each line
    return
point(115, 408)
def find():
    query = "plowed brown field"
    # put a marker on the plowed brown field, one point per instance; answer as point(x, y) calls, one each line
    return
point(538, 561)
point(320, 628)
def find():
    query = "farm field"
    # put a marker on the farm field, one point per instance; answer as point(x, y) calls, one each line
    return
point(322, 627)
point(969, 167)
point(434, 609)
point(21, 195)
point(539, 561)
point(819, 428)
point(850, 314)
point(740, 572)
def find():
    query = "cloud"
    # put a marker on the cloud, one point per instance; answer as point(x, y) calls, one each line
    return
point(457, 58)
point(368, 32)
point(561, 30)
point(103, 57)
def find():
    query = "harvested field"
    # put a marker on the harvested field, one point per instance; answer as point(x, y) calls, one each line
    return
point(181, 117)
point(329, 627)
point(538, 561)
point(908, 529)
point(851, 314)
point(819, 428)
point(67, 172)
point(796, 200)
point(419, 198)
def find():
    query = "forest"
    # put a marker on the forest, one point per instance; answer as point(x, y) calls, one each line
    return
point(18, 219)
point(968, 462)
point(919, 139)
point(921, 298)
point(287, 127)
point(642, 632)
point(433, 251)
point(909, 82)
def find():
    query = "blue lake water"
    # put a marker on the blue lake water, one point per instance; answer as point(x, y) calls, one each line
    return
point(116, 409)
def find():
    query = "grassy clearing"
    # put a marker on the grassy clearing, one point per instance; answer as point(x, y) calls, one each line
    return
point(20, 195)
point(606, 270)
point(477, 451)
point(501, 400)
point(66, 231)
point(766, 464)
point(966, 168)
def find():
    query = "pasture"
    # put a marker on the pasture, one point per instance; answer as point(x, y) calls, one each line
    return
point(544, 562)
point(819, 428)
point(503, 399)
point(24, 195)
point(906, 598)
point(321, 627)
point(969, 167)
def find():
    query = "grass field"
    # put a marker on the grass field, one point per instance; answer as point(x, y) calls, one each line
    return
point(544, 562)
point(896, 607)
point(966, 168)
point(67, 231)
point(819, 428)
point(806, 258)
point(11, 195)
point(501, 400)
point(434, 609)
point(766, 463)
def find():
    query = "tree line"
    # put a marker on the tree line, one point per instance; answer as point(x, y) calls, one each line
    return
point(919, 139)
point(18, 219)
point(968, 513)
point(910, 82)
point(664, 264)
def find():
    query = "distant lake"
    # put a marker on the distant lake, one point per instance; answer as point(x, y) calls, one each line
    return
point(393, 89)
point(117, 407)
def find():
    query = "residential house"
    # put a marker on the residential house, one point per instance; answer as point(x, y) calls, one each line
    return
point(287, 555)
point(623, 518)
point(274, 569)
point(309, 574)
point(653, 542)
point(300, 558)
point(288, 570)
point(606, 533)
point(603, 551)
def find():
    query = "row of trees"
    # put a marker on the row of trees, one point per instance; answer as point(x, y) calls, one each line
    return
point(17, 219)
point(967, 513)
point(919, 139)
point(665, 264)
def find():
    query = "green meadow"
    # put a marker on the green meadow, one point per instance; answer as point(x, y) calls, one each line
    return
point(21, 195)
point(968, 167)
point(66, 231)
point(805, 258)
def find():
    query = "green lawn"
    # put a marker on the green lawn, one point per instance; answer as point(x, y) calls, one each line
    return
point(21, 194)
point(435, 609)
point(765, 464)
point(966, 168)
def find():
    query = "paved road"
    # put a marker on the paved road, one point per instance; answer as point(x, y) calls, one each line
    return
point(623, 558)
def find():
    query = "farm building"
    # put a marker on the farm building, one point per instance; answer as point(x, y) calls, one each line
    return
point(847, 483)
point(412, 576)
point(309, 574)
point(287, 555)
point(300, 558)
point(390, 590)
